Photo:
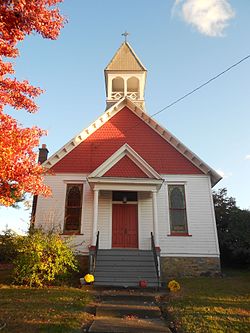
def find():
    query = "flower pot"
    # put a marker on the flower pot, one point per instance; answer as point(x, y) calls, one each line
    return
point(143, 284)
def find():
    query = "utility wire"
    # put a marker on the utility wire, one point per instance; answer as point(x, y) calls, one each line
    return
point(201, 86)
point(191, 92)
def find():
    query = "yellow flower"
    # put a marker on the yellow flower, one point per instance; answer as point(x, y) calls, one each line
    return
point(89, 278)
point(174, 286)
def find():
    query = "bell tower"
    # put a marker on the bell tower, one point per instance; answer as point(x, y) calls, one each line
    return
point(125, 75)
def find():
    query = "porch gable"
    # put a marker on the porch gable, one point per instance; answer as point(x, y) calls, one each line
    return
point(125, 163)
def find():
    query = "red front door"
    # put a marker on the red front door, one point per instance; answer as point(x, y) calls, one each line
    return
point(125, 225)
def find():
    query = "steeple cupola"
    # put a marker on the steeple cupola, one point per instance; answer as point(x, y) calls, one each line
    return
point(125, 75)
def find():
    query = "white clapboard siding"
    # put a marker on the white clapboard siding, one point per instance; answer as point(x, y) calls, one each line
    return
point(50, 211)
point(200, 219)
point(200, 215)
point(145, 220)
point(104, 219)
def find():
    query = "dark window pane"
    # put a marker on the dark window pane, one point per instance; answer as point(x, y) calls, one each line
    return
point(73, 208)
point(178, 220)
point(177, 199)
point(177, 206)
point(121, 195)
point(74, 196)
point(72, 218)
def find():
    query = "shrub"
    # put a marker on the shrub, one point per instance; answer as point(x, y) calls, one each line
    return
point(233, 225)
point(41, 258)
point(8, 251)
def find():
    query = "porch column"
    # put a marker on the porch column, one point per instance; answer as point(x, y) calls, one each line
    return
point(95, 216)
point(155, 219)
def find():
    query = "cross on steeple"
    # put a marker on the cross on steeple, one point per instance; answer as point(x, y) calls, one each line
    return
point(125, 34)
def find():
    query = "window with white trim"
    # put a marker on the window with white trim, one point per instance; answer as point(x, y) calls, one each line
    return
point(73, 208)
point(177, 209)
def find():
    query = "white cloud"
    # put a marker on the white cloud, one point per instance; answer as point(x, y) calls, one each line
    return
point(247, 157)
point(224, 174)
point(209, 17)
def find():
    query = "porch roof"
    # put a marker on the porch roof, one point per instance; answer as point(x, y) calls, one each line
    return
point(125, 184)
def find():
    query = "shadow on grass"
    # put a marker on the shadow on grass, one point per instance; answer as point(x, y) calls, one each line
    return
point(212, 304)
point(56, 309)
point(41, 328)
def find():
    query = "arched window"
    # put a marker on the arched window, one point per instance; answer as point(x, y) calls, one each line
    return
point(73, 208)
point(133, 88)
point(117, 88)
point(177, 209)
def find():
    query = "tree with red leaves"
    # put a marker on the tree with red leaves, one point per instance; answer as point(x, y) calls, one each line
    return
point(19, 170)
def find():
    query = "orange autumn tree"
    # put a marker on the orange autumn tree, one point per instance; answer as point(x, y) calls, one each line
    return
point(19, 170)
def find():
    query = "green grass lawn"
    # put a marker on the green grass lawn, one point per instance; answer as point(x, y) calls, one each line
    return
point(204, 305)
point(212, 305)
point(48, 310)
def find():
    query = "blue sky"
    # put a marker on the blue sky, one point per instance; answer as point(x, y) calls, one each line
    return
point(182, 44)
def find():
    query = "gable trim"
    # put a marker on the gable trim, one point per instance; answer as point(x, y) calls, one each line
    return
point(125, 150)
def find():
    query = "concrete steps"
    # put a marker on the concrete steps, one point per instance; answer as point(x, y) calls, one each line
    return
point(125, 268)
point(126, 311)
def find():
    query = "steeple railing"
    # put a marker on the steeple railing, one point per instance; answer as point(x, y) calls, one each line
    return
point(116, 95)
point(133, 95)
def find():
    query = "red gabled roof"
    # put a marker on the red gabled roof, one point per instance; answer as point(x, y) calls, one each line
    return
point(125, 127)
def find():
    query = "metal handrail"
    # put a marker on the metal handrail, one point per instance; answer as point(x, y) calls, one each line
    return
point(155, 259)
point(93, 255)
point(97, 243)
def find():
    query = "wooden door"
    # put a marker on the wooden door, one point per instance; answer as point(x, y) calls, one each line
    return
point(125, 226)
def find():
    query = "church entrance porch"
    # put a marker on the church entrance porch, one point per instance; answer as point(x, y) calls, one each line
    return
point(118, 212)
point(125, 243)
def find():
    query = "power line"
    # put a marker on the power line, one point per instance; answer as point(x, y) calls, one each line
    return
point(201, 86)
